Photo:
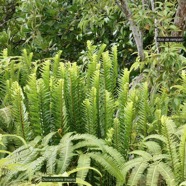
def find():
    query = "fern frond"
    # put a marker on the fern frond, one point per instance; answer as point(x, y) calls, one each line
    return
point(91, 70)
point(58, 110)
point(107, 72)
point(74, 96)
point(144, 110)
point(123, 88)
point(5, 117)
point(31, 90)
point(106, 113)
point(126, 129)
point(56, 64)
point(182, 153)
point(65, 152)
point(19, 113)
point(26, 67)
point(83, 161)
point(169, 130)
point(152, 175)
point(130, 165)
point(116, 137)
point(50, 158)
point(44, 106)
point(114, 65)
point(61, 71)
point(137, 174)
point(90, 113)
point(153, 147)
point(108, 164)
point(167, 174)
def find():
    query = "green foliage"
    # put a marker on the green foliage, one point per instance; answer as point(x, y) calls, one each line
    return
point(41, 158)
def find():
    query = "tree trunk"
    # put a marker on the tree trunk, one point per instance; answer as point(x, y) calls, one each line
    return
point(180, 18)
point(137, 33)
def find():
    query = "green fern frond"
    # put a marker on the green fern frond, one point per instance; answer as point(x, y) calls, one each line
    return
point(47, 138)
point(108, 164)
point(100, 51)
point(107, 72)
point(44, 106)
point(90, 113)
point(65, 152)
point(137, 174)
point(61, 71)
point(123, 88)
point(50, 158)
point(56, 64)
point(116, 137)
point(182, 152)
point(126, 129)
point(5, 117)
point(74, 96)
point(92, 66)
point(153, 147)
point(20, 113)
point(58, 110)
point(115, 64)
point(31, 91)
point(83, 161)
point(144, 110)
point(26, 67)
point(152, 175)
point(169, 130)
point(167, 174)
point(106, 113)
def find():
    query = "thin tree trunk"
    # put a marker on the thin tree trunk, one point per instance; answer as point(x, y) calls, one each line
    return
point(137, 33)
point(156, 27)
point(180, 18)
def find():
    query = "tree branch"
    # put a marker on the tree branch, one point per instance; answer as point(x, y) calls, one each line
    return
point(137, 33)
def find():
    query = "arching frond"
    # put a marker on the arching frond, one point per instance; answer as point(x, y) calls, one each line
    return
point(20, 113)
point(169, 130)
point(83, 161)
point(167, 174)
point(137, 174)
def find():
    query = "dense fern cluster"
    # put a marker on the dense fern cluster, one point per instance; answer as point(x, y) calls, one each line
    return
point(61, 109)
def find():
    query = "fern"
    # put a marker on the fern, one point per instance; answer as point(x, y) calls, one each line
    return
point(169, 130)
point(107, 72)
point(106, 113)
point(56, 64)
point(182, 152)
point(59, 112)
point(114, 65)
point(90, 111)
point(45, 91)
point(26, 67)
point(126, 129)
point(74, 96)
point(19, 112)
point(108, 163)
point(65, 151)
point(34, 105)
point(91, 70)
point(144, 110)
point(83, 161)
